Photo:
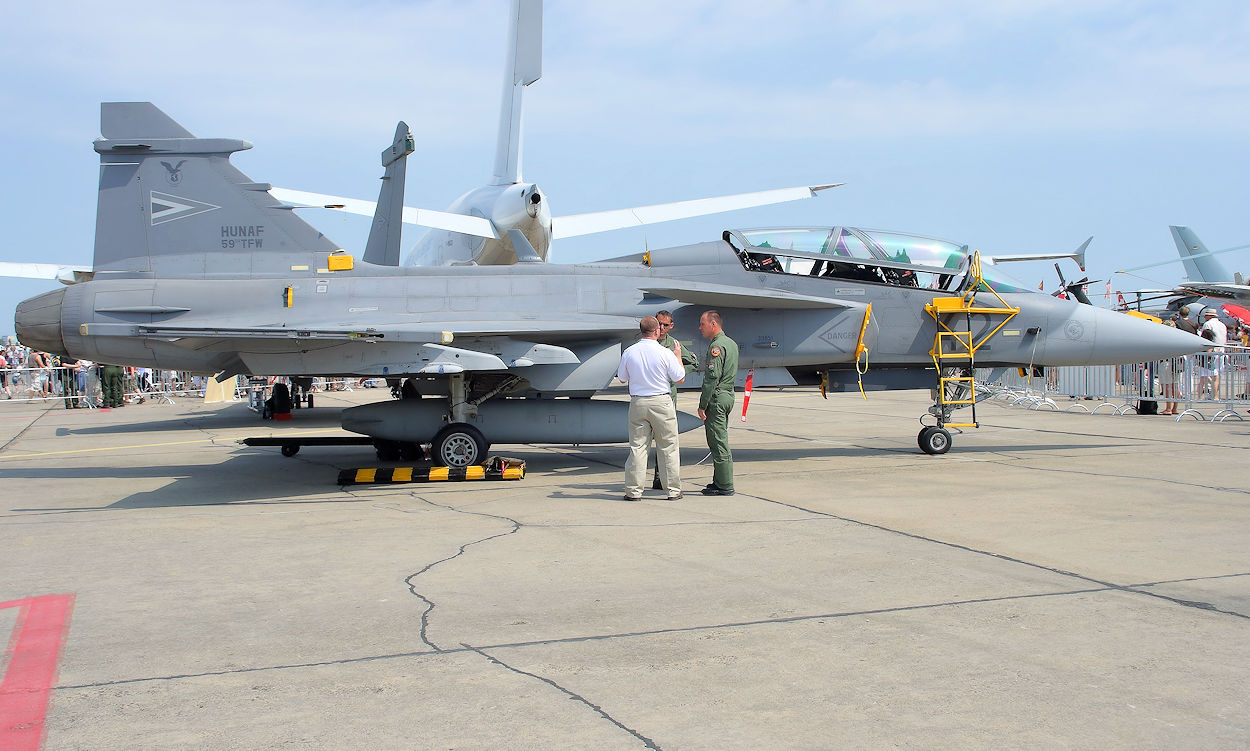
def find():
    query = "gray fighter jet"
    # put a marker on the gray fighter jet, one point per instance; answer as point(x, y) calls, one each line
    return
point(198, 268)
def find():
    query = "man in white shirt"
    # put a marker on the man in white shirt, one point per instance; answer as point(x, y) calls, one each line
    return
point(650, 370)
point(1219, 337)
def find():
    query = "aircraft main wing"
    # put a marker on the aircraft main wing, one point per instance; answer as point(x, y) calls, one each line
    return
point(575, 225)
point(431, 329)
point(436, 345)
point(1227, 291)
point(562, 226)
point(63, 274)
point(462, 223)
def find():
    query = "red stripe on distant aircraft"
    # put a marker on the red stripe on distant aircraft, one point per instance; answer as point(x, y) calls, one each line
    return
point(32, 656)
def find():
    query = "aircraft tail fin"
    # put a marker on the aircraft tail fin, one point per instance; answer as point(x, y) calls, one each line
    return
point(1200, 266)
point(524, 67)
point(171, 204)
point(383, 245)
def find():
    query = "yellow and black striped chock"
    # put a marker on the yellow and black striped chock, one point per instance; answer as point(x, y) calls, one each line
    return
point(495, 468)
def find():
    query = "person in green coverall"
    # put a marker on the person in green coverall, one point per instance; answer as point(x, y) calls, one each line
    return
point(717, 400)
point(688, 361)
point(114, 395)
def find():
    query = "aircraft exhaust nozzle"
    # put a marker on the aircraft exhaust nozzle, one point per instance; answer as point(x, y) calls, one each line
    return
point(38, 322)
point(533, 201)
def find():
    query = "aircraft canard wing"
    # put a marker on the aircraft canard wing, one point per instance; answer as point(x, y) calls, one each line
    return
point(462, 223)
point(63, 274)
point(1211, 289)
point(1077, 255)
point(575, 225)
point(723, 295)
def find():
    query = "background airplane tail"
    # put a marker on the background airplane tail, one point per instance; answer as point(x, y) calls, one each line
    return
point(1200, 266)
point(524, 67)
point(172, 204)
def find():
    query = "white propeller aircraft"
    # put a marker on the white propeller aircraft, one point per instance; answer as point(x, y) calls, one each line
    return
point(509, 220)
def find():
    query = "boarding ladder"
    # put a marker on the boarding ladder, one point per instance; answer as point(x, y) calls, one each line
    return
point(954, 345)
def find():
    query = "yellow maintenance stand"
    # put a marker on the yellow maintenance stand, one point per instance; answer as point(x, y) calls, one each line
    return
point(954, 354)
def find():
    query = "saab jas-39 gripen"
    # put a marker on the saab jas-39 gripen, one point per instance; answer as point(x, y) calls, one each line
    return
point(210, 273)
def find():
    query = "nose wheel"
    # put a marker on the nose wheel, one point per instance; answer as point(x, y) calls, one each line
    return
point(934, 440)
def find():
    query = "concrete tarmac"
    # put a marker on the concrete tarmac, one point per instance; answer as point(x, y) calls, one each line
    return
point(1056, 581)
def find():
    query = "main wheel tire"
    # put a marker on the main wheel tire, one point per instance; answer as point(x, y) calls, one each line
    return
point(290, 449)
point(934, 440)
point(458, 445)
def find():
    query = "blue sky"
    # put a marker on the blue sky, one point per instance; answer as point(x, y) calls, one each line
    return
point(1013, 127)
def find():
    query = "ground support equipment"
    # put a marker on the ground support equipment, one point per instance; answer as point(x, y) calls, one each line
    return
point(954, 352)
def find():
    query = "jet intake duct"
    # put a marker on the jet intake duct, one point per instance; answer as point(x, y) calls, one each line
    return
point(38, 322)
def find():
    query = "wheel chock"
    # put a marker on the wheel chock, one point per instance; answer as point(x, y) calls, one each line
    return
point(495, 468)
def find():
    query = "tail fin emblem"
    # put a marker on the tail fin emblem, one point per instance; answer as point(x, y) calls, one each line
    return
point(174, 171)
point(167, 208)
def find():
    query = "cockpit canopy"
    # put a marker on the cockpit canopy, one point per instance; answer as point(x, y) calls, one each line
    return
point(894, 258)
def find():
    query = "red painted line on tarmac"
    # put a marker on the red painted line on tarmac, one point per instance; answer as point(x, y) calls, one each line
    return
point(33, 655)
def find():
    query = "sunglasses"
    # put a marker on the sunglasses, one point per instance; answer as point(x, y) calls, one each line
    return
point(666, 325)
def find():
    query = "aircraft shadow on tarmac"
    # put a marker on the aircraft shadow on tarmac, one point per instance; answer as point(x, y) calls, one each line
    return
point(263, 477)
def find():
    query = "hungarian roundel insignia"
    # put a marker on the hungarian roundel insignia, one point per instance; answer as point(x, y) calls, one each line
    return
point(715, 352)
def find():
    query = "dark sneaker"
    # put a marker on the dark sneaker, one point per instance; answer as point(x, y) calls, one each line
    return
point(713, 490)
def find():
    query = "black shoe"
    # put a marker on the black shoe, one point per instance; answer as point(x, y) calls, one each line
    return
point(656, 484)
point(713, 490)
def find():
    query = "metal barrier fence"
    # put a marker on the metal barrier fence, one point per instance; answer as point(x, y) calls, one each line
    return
point(1213, 386)
point(82, 388)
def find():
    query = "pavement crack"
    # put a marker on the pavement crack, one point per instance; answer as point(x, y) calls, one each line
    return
point(411, 580)
point(22, 432)
point(1003, 557)
point(585, 638)
point(646, 742)
point(1188, 485)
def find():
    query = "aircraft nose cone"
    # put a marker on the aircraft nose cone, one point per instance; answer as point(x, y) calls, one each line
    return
point(1121, 338)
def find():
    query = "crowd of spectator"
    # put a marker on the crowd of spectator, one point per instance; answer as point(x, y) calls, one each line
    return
point(26, 373)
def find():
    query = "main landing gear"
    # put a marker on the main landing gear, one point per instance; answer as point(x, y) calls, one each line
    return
point(456, 445)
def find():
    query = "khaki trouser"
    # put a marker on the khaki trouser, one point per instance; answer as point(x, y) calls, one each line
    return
point(652, 417)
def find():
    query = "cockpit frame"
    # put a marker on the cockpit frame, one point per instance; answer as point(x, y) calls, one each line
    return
point(875, 270)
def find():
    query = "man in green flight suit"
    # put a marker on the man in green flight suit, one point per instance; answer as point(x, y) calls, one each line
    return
point(114, 393)
point(688, 361)
point(717, 400)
